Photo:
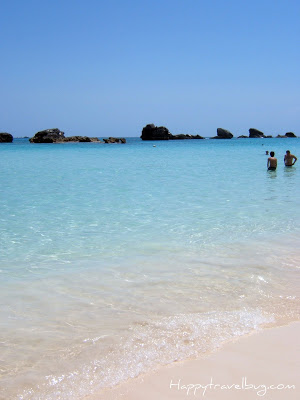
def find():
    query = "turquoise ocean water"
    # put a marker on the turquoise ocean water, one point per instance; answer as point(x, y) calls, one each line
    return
point(118, 258)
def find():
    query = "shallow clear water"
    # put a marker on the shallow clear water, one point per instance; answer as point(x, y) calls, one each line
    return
point(117, 258)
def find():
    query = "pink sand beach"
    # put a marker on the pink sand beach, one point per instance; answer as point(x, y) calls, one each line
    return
point(262, 365)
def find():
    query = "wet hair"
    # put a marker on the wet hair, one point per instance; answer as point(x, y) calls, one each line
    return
point(272, 154)
point(288, 151)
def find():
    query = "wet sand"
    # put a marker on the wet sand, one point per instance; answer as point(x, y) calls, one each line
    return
point(262, 365)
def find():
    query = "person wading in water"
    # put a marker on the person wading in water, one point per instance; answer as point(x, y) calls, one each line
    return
point(272, 162)
point(288, 159)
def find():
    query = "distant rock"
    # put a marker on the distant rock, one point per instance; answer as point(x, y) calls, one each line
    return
point(269, 137)
point(6, 137)
point(242, 137)
point(197, 137)
point(183, 136)
point(57, 136)
point(287, 135)
point(223, 134)
point(255, 133)
point(48, 136)
point(152, 132)
point(290, 134)
point(80, 139)
point(114, 140)
point(76, 139)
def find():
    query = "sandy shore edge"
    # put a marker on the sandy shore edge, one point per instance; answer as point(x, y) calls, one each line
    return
point(263, 365)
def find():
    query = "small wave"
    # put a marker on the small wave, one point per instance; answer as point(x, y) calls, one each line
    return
point(147, 346)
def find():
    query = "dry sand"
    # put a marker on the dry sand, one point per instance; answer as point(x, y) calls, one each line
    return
point(269, 360)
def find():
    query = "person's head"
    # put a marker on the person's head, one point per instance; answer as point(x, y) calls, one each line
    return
point(267, 152)
point(288, 152)
point(272, 154)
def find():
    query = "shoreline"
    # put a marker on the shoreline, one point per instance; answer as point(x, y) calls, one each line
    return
point(264, 363)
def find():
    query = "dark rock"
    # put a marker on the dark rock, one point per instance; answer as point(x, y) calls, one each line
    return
point(114, 140)
point(152, 132)
point(77, 139)
point(57, 136)
point(48, 136)
point(69, 139)
point(223, 134)
point(181, 136)
point(197, 137)
point(242, 137)
point(269, 137)
point(290, 134)
point(281, 136)
point(255, 133)
point(83, 139)
point(80, 139)
point(6, 137)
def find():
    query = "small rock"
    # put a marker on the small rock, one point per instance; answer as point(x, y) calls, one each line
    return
point(255, 133)
point(57, 136)
point(223, 134)
point(6, 137)
point(114, 140)
point(152, 132)
point(290, 134)
point(48, 136)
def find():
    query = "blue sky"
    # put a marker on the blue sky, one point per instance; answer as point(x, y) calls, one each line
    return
point(108, 68)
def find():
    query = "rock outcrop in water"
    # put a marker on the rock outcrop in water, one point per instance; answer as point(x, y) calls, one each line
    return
point(48, 136)
point(80, 139)
point(152, 132)
point(6, 137)
point(182, 136)
point(290, 134)
point(255, 133)
point(114, 140)
point(287, 135)
point(57, 136)
point(223, 134)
